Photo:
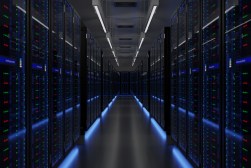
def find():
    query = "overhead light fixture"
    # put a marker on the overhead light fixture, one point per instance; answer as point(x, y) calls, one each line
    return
point(115, 58)
point(108, 37)
point(153, 6)
point(134, 60)
point(150, 18)
point(97, 6)
point(142, 37)
point(141, 42)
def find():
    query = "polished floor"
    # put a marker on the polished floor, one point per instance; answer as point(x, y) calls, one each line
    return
point(125, 138)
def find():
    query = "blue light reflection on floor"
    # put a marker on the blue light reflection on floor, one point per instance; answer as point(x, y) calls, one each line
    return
point(184, 163)
point(146, 112)
point(161, 132)
point(73, 154)
point(181, 158)
point(70, 158)
point(90, 131)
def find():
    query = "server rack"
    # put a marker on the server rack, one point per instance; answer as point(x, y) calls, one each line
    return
point(211, 83)
point(68, 78)
point(56, 81)
point(174, 78)
point(76, 76)
point(182, 75)
point(32, 59)
point(39, 83)
point(218, 58)
point(94, 57)
point(237, 116)
point(194, 81)
point(12, 81)
point(145, 84)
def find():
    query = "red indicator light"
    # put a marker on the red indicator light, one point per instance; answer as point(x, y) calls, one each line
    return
point(245, 121)
point(245, 102)
point(5, 121)
point(5, 45)
point(5, 102)
point(5, 83)
point(245, 140)
point(5, 6)
point(6, 26)
point(5, 140)
point(245, 45)
point(245, 7)
point(245, 159)
point(5, 159)
point(245, 83)
point(245, 26)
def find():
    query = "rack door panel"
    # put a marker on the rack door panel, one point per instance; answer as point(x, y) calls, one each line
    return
point(68, 76)
point(174, 79)
point(12, 83)
point(238, 97)
point(211, 83)
point(182, 73)
point(57, 80)
point(76, 76)
point(39, 89)
point(194, 81)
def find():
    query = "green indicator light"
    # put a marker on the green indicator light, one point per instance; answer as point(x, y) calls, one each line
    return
point(5, 92)
point(245, 130)
point(7, 17)
point(244, 111)
point(245, 149)
point(6, 73)
point(245, 92)
point(6, 35)
point(6, 149)
point(6, 130)
point(244, 35)
point(245, 16)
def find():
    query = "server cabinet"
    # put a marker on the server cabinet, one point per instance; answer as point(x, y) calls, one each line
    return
point(89, 77)
point(94, 80)
point(162, 76)
point(12, 83)
point(76, 76)
point(194, 80)
point(68, 78)
point(182, 74)
point(211, 83)
point(56, 69)
point(39, 82)
point(174, 78)
point(238, 79)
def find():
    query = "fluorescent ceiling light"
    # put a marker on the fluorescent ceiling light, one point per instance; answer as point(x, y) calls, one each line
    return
point(141, 42)
point(109, 41)
point(150, 18)
point(115, 58)
point(114, 54)
point(100, 17)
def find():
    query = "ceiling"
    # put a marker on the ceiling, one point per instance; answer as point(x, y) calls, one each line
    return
point(125, 20)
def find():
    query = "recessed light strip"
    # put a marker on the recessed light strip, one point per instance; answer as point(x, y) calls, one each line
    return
point(150, 18)
point(100, 18)
point(109, 41)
